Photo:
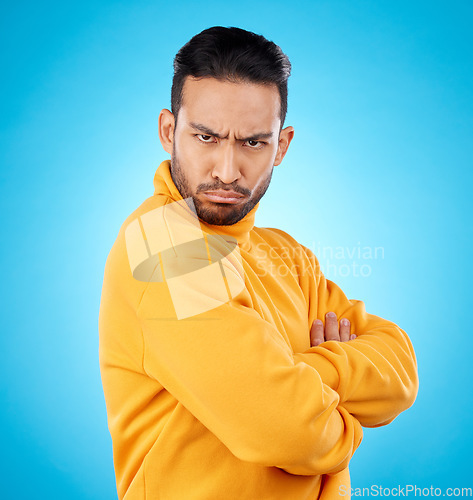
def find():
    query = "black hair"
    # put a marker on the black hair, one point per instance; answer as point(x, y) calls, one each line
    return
point(231, 54)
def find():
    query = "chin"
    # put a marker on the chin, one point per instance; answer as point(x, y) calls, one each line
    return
point(220, 214)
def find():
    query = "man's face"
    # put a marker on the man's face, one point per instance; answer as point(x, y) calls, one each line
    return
point(224, 145)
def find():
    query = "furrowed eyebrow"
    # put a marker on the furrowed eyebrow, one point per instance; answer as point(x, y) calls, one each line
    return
point(205, 130)
point(257, 137)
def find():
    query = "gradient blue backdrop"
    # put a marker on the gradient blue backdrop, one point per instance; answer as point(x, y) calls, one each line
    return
point(381, 100)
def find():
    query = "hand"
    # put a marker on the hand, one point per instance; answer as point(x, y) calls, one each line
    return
point(331, 332)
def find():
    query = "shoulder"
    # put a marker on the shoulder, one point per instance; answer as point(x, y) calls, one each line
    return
point(129, 237)
point(277, 237)
point(274, 236)
point(148, 205)
point(283, 243)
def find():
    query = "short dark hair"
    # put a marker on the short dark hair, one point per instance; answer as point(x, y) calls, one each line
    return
point(231, 54)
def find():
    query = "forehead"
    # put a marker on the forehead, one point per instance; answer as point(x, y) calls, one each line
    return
point(227, 105)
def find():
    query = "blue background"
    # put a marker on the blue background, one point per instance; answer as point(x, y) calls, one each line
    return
point(381, 100)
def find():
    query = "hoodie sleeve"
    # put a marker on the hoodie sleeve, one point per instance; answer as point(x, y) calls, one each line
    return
point(375, 375)
point(234, 373)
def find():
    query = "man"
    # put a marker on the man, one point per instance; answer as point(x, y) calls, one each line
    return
point(226, 371)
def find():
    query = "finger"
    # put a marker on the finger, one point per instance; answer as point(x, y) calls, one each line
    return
point(344, 330)
point(352, 336)
point(316, 333)
point(331, 327)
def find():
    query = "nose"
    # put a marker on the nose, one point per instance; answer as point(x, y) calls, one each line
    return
point(226, 165)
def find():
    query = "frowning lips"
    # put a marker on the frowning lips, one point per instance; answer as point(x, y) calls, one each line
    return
point(224, 196)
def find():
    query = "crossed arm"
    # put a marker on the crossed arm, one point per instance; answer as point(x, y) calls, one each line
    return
point(369, 361)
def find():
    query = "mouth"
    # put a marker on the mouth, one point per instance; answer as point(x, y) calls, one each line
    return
point(224, 196)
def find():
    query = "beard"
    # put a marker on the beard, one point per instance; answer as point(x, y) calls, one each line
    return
point(220, 214)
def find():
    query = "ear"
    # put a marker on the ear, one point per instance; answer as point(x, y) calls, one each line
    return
point(166, 130)
point(285, 137)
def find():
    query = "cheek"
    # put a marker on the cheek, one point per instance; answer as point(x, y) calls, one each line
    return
point(257, 179)
point(194, 165)
point(259, 167)
point(264, 160)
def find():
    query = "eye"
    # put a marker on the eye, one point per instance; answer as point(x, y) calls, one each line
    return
point(255, 144)
point(205, 138)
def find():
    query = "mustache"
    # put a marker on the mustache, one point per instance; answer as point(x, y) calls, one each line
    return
point(223, 187)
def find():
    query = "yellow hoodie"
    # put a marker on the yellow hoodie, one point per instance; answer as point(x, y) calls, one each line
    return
point(211, 386)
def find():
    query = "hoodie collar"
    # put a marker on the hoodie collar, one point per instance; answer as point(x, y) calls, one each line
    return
point(164, 186)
